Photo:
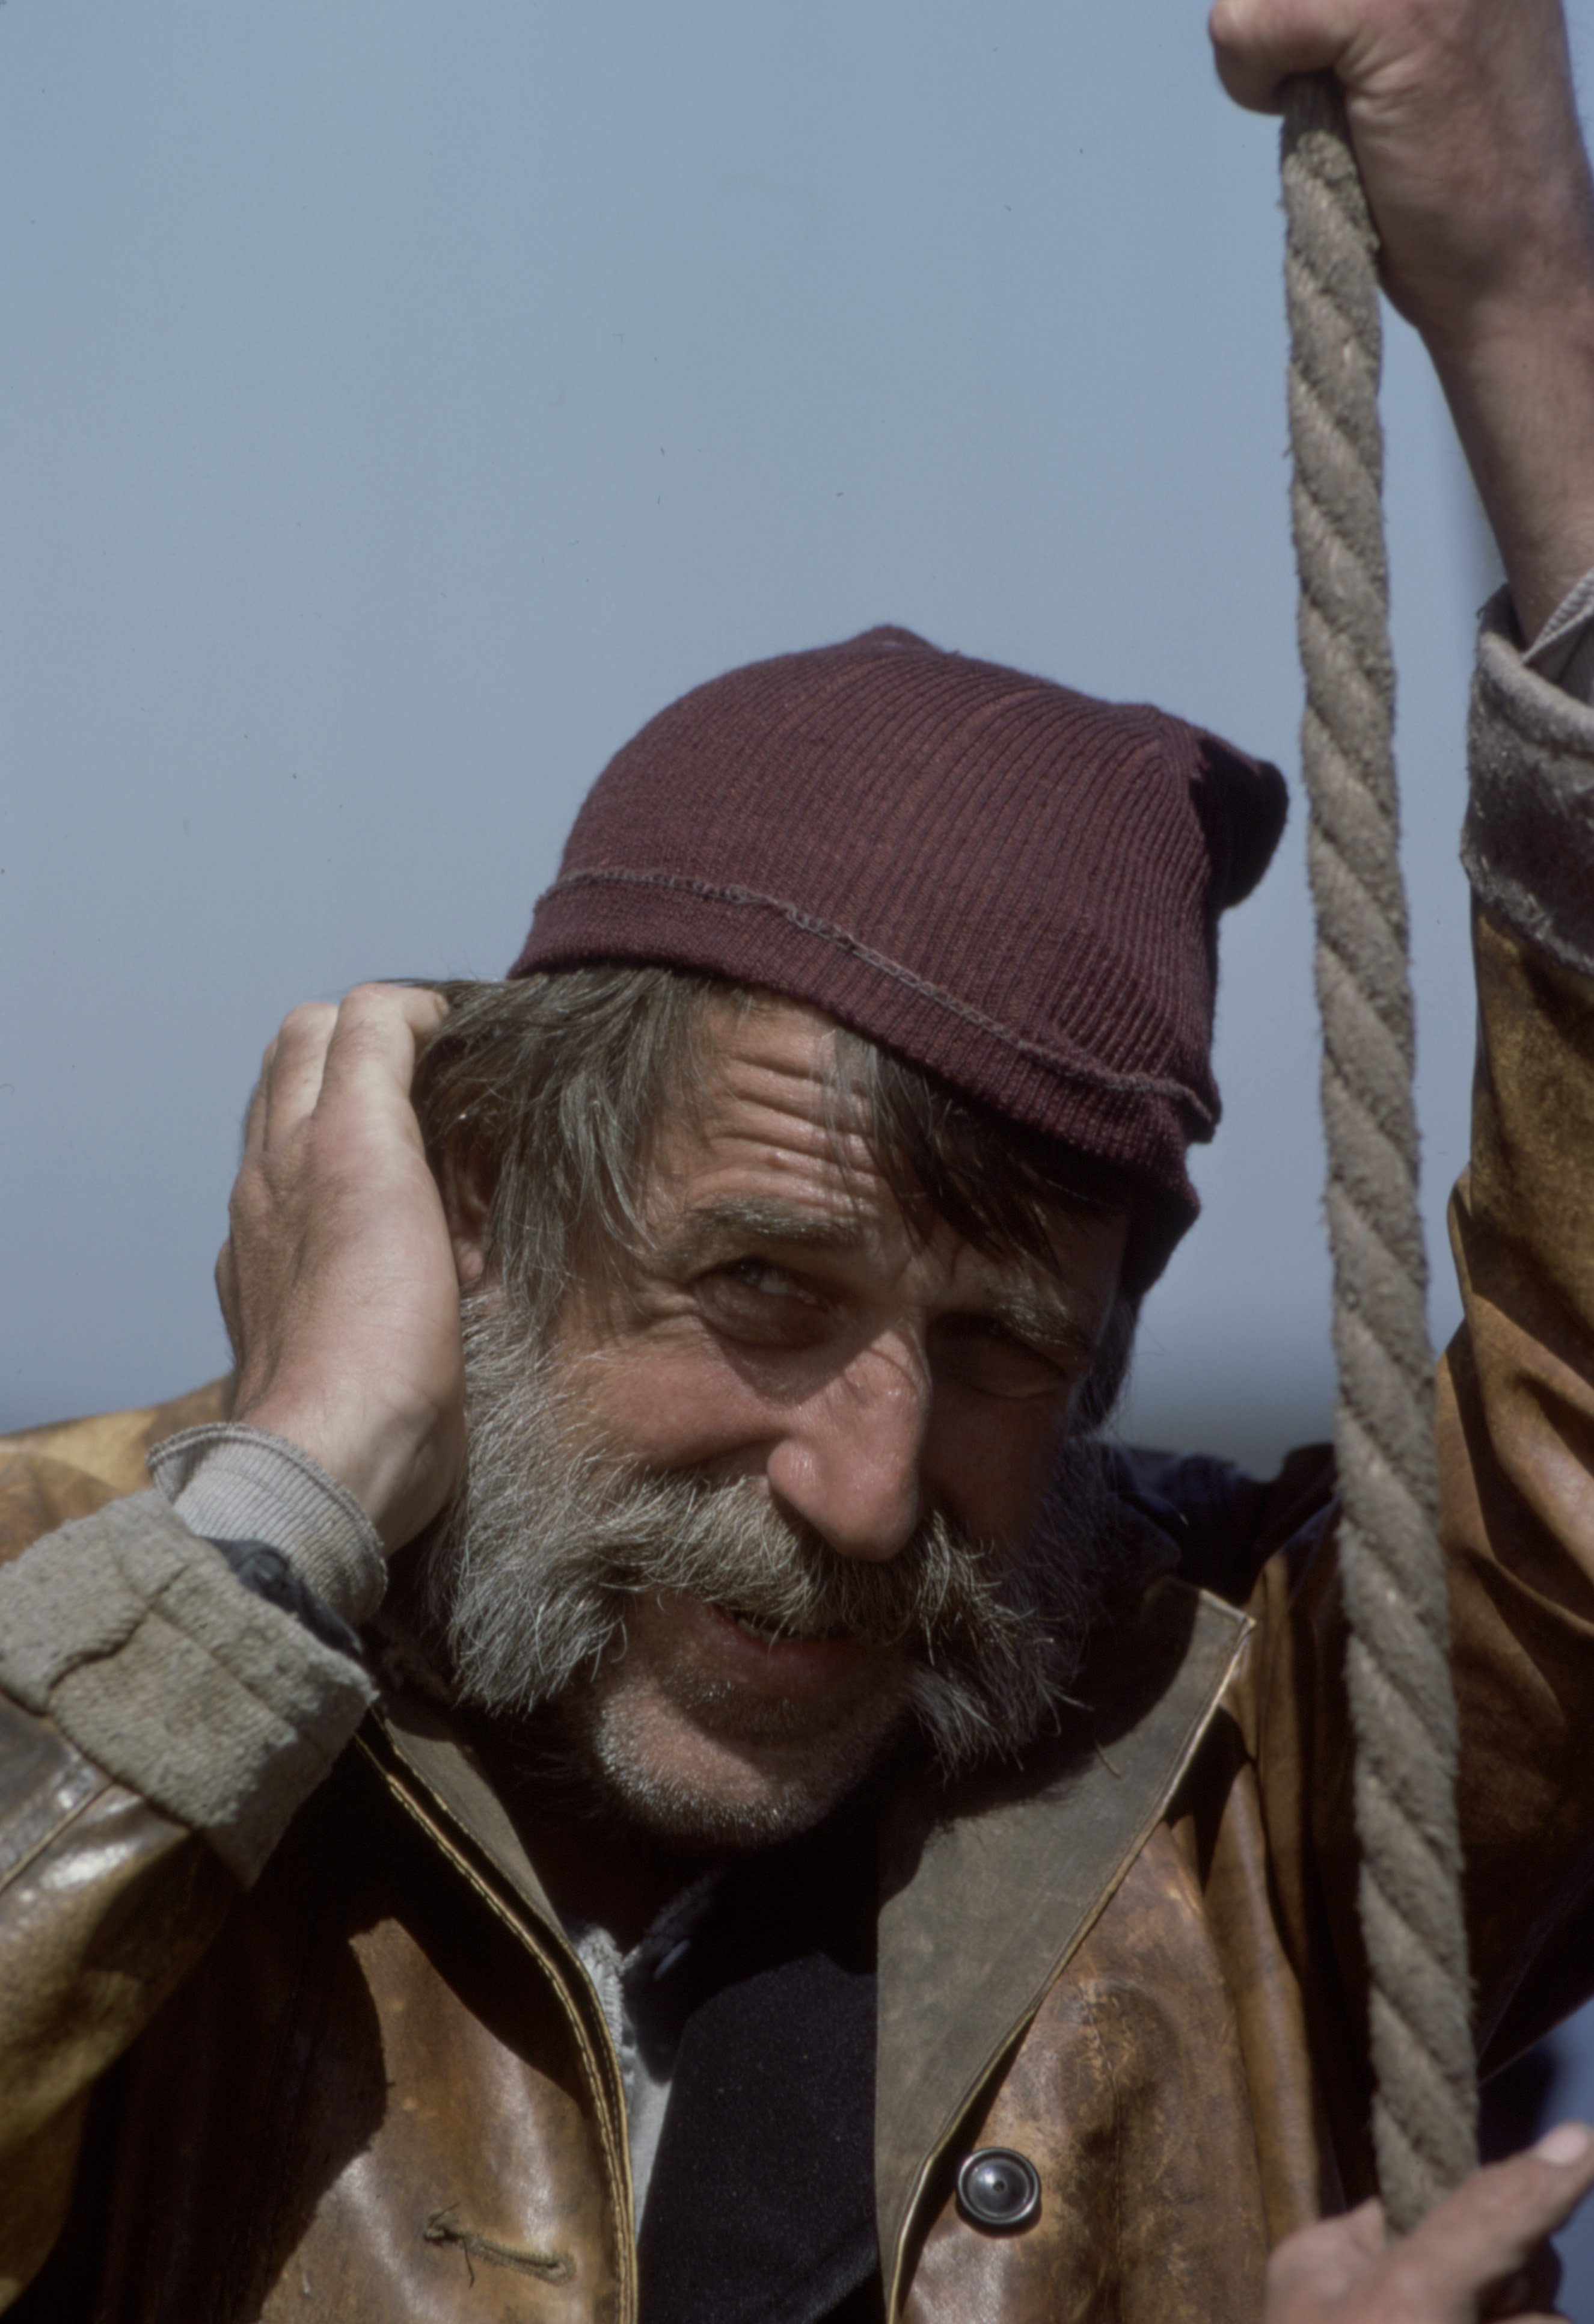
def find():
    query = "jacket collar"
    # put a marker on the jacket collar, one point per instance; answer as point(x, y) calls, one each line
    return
point(989, 1887)
point(423, 1743)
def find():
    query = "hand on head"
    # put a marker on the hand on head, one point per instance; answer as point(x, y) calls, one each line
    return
point(1480, 2254)
point(338, 1280)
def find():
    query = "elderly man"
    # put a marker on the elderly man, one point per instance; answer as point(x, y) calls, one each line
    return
point(800, 1829)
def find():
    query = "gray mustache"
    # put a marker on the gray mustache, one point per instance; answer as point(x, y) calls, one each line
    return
point(727, 1542)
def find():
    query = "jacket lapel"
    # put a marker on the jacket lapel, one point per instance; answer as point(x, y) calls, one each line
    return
point(429, 1750)
point(988, 1888)
point(432, 1772)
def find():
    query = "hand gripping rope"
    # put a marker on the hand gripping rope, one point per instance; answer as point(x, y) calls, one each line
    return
point(1402, 1703)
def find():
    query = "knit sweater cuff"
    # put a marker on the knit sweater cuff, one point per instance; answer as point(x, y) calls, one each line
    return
point(1528, 842)
point(1563, 650)
point(231, 1482)
point(218, 1708)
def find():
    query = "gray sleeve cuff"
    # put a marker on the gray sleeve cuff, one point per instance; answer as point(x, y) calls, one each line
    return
point(219, 1709)
point(1528, 842)
point(231, 1482)
point(1563, 650)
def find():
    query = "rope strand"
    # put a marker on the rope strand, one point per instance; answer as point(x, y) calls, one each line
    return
point(1402, 1701)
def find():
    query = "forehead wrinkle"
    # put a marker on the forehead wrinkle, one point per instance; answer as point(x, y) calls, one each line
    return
point(803, 1086)
point(782, 1138)
point(741, 1177)
point(771, 1123)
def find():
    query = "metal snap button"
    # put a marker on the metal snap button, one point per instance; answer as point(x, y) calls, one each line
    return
point(999, 2188)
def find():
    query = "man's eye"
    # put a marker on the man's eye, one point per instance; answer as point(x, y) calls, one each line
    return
point(983, 1355)
point(761, 1276)
point(759, 1304)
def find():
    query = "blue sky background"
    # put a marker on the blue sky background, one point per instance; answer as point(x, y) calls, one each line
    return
point(403, 401)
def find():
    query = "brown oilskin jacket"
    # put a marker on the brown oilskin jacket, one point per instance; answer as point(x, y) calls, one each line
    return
point(378, 2085)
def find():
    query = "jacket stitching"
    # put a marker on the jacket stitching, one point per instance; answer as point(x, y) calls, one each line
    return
point(551, 2267)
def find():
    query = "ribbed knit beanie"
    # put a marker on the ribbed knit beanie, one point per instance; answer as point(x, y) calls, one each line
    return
point(1010, 883)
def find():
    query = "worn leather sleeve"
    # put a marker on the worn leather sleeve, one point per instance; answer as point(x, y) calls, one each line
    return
point(1516, 1440)
point(116, 1623)
point(1514, 1421)
point(105, 1906)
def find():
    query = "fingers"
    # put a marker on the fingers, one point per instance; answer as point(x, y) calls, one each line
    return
point(367, 1043)
point(1260, 44)
point(1478, 2253)
point(254, 1120)
point(290, 1075)
point(369, 1066)
point(375, 1038)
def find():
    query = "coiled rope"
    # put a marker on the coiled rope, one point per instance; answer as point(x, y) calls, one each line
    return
point(1402, 1701)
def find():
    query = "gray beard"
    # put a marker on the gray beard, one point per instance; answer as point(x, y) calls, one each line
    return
point(527, 1583)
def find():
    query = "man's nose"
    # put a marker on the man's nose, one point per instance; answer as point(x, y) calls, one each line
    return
point(851, 1465)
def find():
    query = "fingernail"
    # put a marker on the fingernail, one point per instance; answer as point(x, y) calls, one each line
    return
point(1568, 2143)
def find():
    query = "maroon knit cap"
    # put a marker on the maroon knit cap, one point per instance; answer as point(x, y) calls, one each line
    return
point(1010, 883)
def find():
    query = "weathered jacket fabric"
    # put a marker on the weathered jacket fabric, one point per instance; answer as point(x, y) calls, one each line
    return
point(282, 2041)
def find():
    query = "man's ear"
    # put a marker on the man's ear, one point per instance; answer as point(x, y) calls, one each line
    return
point(467, 1205)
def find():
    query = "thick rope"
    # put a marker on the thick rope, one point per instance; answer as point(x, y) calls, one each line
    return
point(1402, 1703)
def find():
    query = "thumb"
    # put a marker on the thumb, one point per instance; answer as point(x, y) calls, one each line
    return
point(1490, 2229)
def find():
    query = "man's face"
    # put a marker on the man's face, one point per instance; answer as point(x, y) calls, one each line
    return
point(788, 1331)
